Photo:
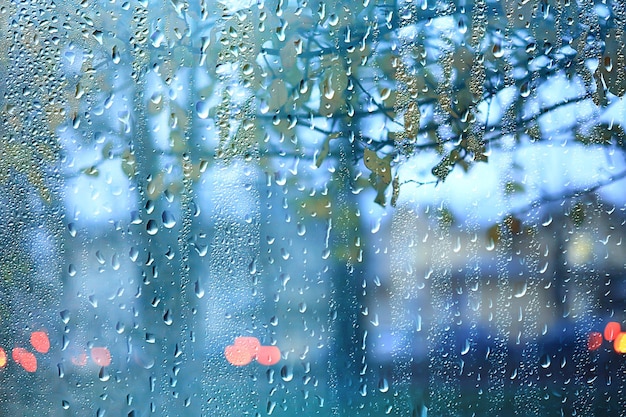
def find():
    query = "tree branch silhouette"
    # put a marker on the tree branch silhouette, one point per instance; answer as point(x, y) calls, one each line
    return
point(568, 194)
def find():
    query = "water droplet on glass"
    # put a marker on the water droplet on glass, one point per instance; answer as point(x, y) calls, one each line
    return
point(65, 316)
point(149, 206)
point(98, 36)
point(103, 375)
point(383, 385)
point(157, 38)
point(329, 91)
point(151, 227)
point(497, 50)
point(457, 247)
point(201, 249)
point(115, 55)
point(286, 373)
point(375, 226)
point(280, 178)
point(466, 347)
point(133, 254)
point(303, 87)
point(167, 318)
point(264, 107)
point(65, 404)
point(168, 218)
point(202, 108)
point(524, 90)
point(521, 291)
point(281, 32)
point(198, 289)
point(547, 222)
point(93, 301)
point(100, 258)
point(247, 69)
point(284, 279)
point(462, 25)
point(156, 97)
point(115, 262)
point(70, 56)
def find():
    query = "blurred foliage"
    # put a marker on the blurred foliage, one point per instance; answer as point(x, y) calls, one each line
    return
point(429, 77)
point(356, 89)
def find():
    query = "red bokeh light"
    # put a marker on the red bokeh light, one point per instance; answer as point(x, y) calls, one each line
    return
point(101, 356)
point(268, 355)
point(250, 343)
point(79, 359)
point(25, 359)
point(595, 341)
point(611, 330)
point(40, 341)
point(238, 355)
point(245, 349)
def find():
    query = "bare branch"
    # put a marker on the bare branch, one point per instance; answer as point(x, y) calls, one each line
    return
point(569, 194)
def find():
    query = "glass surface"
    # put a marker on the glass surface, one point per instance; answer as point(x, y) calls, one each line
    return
point(299, 207)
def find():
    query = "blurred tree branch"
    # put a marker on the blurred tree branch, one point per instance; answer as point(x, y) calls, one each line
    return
point(568, 194)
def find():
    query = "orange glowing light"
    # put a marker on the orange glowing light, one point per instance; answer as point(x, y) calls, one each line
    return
point(611, 330)
point(268, 355)
point(620, 343)
point(40, 341)
point(246, 348)
point(3, 358)
point(595, 341)
point(252, 344)
point(25, 359)
point(238, 355)
point(80, 359)
point(101, 356)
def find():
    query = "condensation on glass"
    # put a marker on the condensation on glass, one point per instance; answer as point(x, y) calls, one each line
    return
point(292, 207)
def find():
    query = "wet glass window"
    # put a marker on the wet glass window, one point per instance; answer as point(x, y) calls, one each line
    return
point(312, 208)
